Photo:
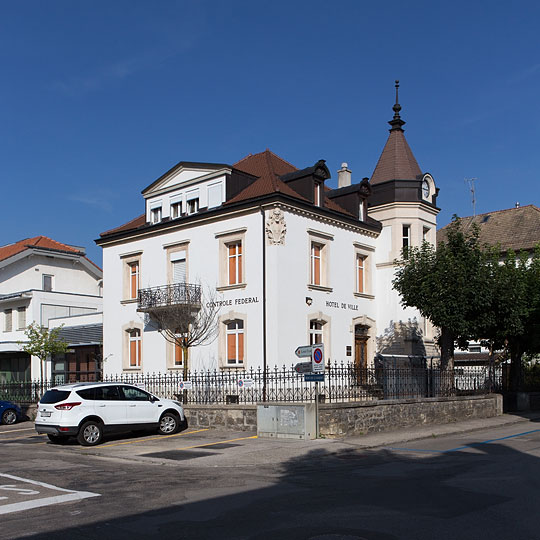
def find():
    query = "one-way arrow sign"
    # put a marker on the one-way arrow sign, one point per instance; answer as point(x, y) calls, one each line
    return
point(304, 352)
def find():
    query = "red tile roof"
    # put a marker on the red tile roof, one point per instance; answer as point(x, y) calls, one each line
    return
point(513, 228)
point(42, 242)
point(397, 161)
point(135, 223)
point(268, 167)
point(36, 242)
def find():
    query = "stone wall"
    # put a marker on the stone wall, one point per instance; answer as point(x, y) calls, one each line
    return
point(231, 417)
point(339, 419)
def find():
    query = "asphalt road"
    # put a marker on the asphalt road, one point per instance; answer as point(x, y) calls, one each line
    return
point(204, 484)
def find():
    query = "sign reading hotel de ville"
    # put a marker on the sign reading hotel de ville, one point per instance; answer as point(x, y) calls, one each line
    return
point(341, 305)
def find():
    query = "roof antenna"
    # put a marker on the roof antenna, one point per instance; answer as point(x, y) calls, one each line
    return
point(472, 189)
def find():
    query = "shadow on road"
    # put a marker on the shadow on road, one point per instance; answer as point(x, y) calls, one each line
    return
point(485, 491)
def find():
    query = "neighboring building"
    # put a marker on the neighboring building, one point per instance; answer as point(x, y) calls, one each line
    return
point(516, 229)
point(41, 279)
point(83, 361)
point(293, 261)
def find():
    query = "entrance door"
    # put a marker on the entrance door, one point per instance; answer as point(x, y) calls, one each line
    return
point(360, 352)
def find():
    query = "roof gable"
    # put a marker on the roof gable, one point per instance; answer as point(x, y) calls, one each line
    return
point(185, 173)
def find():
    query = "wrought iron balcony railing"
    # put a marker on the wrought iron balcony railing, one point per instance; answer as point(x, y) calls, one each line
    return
point(169, 295)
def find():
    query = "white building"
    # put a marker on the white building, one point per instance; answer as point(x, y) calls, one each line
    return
point(41, 279)
point(293, 261)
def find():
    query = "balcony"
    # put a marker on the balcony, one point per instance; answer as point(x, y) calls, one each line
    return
point(167, 296)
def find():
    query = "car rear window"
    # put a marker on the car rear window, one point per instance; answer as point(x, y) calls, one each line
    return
point(54, 396)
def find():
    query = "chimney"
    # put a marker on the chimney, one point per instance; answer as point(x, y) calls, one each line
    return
point(344, 176)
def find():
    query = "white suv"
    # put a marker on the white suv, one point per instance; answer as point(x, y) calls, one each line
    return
point(88, 410)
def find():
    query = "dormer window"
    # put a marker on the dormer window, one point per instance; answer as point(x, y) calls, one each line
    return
point(176, 209)
point(155, 214)
point(317, 197)
point(192, 200)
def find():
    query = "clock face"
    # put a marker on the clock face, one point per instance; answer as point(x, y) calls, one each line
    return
point(425, 189)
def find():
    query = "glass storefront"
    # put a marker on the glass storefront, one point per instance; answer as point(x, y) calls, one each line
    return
point(14, 367)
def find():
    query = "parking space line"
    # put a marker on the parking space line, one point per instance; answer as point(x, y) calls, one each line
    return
point(217, 442)
point(23, 437)
point(3, 432)
point(151, 439)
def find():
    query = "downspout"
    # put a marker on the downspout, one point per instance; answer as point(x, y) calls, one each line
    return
point(264, 302)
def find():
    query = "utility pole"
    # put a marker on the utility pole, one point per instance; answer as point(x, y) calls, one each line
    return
point(472, 188)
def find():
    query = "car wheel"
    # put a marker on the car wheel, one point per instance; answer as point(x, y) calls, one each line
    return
point(9, 417)
point(91, 433)
point(169, 423)
point(57, 439)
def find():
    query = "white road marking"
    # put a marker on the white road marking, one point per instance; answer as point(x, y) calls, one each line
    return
point(68, 495)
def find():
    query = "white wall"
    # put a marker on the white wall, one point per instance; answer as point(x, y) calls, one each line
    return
point(27, 273)
point(287, 289)
point(202, 267)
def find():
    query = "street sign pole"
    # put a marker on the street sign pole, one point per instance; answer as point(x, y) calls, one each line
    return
point(316, 410)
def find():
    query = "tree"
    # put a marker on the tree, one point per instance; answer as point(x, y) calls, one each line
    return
point(471, 292)
point(42, 342)
point(188, 324)
point(523, 336)
point(448, 285)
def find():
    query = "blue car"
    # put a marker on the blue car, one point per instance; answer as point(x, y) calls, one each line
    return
point(9, 412)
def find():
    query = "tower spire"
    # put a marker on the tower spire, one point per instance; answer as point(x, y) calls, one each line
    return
point(397, 122)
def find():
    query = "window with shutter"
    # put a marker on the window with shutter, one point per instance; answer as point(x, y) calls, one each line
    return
point(21, 323)
point(214, 195)
point(179, 271)
point(8, 320)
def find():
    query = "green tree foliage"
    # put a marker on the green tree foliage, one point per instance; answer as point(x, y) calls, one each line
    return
point(447, 285)
point(42, 342)
point(471, 293)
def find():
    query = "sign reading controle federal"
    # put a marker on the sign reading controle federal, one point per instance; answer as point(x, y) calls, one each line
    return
point(317, 358)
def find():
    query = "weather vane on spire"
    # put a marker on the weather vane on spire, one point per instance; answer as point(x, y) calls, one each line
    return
point(396, 122)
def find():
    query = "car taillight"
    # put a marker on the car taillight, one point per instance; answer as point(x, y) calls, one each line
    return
point(67, 406)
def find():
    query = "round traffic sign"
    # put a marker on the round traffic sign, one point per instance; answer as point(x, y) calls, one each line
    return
point(240, 383)
point(317, 356)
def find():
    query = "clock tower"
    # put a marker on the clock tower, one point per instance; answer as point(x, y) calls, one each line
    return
point(404, 200)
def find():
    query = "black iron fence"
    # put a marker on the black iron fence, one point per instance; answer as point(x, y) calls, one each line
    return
point(343, 382)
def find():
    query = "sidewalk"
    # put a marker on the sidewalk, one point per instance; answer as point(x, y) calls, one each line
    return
point(373, 440)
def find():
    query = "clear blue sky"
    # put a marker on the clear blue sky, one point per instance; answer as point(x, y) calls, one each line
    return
point(98, 99)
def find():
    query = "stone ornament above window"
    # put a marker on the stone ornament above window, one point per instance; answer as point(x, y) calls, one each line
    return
point(276, 228)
